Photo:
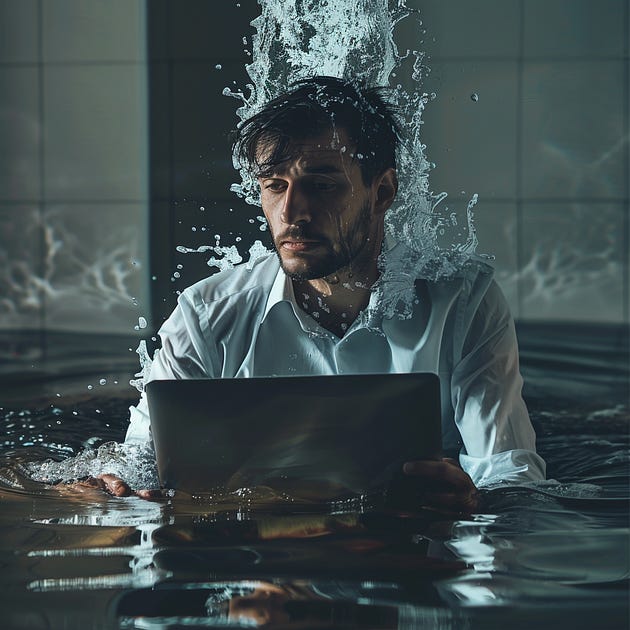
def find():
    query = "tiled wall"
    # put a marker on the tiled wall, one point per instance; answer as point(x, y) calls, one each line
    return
point(545, 146)
point(73, 165)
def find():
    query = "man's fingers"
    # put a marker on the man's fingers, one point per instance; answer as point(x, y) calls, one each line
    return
point(115, 486)
point(150, 494)
point(442, 473)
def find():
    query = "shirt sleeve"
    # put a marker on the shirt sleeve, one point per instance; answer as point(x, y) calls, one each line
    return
point(186, 352)
point(499, 440)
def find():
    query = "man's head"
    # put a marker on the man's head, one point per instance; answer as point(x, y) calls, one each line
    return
point(317, 105)
point(324, 155)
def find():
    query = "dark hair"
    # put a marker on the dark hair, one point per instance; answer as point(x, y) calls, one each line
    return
point(311, 107)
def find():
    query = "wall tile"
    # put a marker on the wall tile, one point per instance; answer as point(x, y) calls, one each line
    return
point(472, 143)
point(18, 31)
point(203, 120)
point(574, 263)
point(585, 28)
point(496, 224)
point(573, 130)
point(93, 30)
point(19, 133)
point(22, 281)
point(98, 269)
point(457, 28)
point(96, 132)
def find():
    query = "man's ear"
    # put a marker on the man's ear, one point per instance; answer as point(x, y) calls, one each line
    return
point(386, 185)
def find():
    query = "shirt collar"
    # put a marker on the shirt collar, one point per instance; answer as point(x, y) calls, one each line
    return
point(282, 291)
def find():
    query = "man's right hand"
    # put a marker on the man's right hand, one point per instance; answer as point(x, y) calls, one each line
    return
point(118, 488)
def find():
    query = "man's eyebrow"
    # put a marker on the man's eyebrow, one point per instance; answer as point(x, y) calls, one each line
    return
point(312, 169)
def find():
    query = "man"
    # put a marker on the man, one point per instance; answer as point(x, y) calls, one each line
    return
point(324, 156)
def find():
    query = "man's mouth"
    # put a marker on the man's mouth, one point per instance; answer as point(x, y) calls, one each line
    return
point(299, 244)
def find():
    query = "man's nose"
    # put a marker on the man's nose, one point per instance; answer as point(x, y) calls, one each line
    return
point(296, 206)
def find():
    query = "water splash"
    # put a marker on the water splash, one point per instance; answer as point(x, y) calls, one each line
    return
point(228, 257)
point(133, 463)
point(354, 40)
point(145, 366)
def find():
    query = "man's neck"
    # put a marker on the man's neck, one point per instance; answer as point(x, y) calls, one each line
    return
point(336, 300)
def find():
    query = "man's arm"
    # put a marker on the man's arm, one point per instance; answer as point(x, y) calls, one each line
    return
point(490, 414)
point(185, 353)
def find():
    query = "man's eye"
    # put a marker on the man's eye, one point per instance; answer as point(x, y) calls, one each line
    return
point(275, 186)
point(324, 186)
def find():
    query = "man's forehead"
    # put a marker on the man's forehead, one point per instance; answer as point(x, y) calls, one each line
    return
point(328, 150)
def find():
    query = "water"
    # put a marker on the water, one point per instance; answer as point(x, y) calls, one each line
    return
point(360, 40)
point(550, 555)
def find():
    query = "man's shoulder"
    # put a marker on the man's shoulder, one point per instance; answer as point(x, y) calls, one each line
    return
point(256, 276)
point(473, 278)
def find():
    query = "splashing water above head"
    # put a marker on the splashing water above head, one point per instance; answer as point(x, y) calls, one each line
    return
point(354, 40)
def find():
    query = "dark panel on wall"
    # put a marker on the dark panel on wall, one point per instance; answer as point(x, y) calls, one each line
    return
point(194, 52)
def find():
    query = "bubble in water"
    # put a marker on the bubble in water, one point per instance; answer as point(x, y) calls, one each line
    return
point(474, 97)
point(103, 381)
point(90, 387)
point(218, 66)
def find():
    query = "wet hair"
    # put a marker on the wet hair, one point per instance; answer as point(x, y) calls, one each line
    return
point(313, 106)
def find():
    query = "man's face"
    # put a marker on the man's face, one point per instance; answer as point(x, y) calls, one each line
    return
point(319, 210)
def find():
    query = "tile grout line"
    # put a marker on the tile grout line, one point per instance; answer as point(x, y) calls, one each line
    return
point(42, 174)
point(171, 145)
point(519, 161)
point(625, 239)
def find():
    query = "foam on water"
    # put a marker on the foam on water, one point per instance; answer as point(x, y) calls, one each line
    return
point(133, 463)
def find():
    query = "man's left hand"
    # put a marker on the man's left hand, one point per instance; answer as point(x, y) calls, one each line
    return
point(442, 485)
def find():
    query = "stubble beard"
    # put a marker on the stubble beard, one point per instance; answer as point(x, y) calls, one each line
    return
point(352, 243)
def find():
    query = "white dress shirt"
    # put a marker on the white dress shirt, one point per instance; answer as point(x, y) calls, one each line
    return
point(246, 322)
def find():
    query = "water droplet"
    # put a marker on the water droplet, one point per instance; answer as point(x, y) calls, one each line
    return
point(474, 97)
point(103, 381)
point(218, 66)
point(90, 387)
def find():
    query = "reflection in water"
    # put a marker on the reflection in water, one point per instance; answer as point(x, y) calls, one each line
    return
point(555, 551)
point(73, 553)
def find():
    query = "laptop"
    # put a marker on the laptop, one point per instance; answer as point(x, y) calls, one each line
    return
point(323, 437)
